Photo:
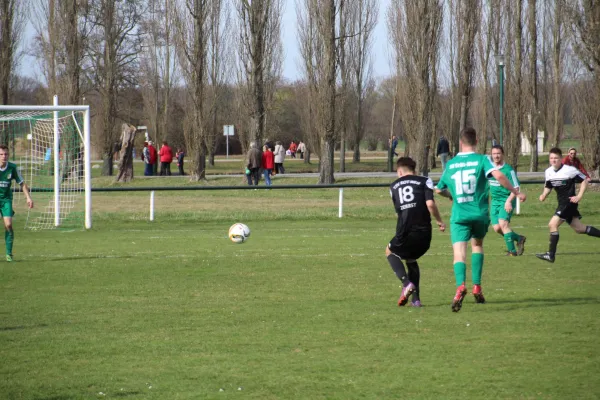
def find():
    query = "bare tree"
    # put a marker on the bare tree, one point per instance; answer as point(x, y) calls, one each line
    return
point(193, 26)
point(260, 56)
point(415, 33)
point(12, 23)
point(362, 22)
point(126, 140)
point(533, 84)
point(115, 44)
point(317, 33)
point(158, 69)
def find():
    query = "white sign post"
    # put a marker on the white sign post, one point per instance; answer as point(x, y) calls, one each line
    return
point(228, 131)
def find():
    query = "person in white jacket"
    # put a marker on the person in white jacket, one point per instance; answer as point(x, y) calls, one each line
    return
point(279, 158)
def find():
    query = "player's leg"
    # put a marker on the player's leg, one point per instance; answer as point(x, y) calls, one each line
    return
point(9, 237)
point(553, 225)
point(581, 228)
point(395, 262)
point(460, 235)
point(414, 275)
point(477, 268)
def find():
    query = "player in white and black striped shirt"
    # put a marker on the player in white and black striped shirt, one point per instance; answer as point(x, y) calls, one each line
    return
point(562, 178)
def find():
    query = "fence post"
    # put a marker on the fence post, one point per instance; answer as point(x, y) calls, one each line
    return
point(152, 205)
point(341, 208)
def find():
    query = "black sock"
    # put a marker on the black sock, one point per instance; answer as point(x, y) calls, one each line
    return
point(398, 267)
point(591, 231)
point(553, 243)
point(414, 276)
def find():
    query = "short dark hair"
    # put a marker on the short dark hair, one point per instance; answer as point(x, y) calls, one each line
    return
point(468, 136)
point(4, 147)
point(497, 146)
point(406, 163)
point(556, 150)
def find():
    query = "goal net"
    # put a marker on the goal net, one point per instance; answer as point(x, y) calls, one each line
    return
point(50, 145)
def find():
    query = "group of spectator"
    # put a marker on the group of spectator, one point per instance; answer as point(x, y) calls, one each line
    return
point(151, 157)
point(270, 160)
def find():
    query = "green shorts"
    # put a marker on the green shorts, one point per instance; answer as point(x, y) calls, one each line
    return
point(465, 231)
point(497, 212)
point(6, 208)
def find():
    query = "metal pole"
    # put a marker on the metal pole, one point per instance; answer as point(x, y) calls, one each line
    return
point(87, 168)
point(341, 207)
point(227, 139)
point(152, 205)
point(56, 167)
point(501, 102)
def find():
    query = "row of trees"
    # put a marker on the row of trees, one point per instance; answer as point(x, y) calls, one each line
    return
point(186, 67)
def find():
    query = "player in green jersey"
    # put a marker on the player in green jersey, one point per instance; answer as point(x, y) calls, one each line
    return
point(465, 182)
point(503, 204)
point(8, 172)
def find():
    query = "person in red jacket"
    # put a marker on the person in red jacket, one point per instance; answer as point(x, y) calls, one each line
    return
point(153, 156)
point(166, 157)
point(268, 163)
point(572, 160)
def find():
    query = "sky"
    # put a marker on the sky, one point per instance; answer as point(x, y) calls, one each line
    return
point(291, 71)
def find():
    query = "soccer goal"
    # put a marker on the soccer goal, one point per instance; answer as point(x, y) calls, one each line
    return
point(51, 147)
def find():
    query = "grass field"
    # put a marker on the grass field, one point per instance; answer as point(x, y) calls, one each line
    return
point(306, 309)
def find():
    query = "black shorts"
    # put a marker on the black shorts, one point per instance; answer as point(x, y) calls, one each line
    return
point(411, 246)
point(568, 212)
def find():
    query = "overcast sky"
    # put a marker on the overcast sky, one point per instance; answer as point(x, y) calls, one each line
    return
point(291, 71)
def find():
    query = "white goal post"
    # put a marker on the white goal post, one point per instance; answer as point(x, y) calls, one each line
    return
point(66, 125)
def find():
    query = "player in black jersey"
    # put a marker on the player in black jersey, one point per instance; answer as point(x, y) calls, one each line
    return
point(563, 178)
point(413, 200)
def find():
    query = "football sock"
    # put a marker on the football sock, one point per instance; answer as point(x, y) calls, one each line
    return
point(591, 231)
point(510, 244)
point(460, 273)
point(414, 276)
point(9, 237)
point(553, 243)
point(515, 237)
point(477, 267)
point(398, 267)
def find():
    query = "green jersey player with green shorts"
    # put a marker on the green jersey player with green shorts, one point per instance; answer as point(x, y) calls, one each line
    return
point(503, 204)
point(465, 181)
point(8, 172)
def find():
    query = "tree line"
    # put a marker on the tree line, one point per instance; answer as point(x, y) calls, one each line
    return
point(185, 68)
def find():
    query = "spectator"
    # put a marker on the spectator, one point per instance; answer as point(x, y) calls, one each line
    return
point(146, 158)
point(293, 149)
point(116, 150)
point(443, 149)
point(268, 162)
point(253, 164)
point(279, 158)
point(166, 158)
point(270, 145)
point(179, 156)
point(301, 149)
point(572, 160)
point(394, 144)
point(153, 157)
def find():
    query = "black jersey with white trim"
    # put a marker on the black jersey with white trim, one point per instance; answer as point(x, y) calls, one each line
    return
point(563, 180)
point(410, 194)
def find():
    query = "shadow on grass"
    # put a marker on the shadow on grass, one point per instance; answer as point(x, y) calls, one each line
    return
point(69, 397)
point(99, 257)
point(523, 303)
point(21, 327)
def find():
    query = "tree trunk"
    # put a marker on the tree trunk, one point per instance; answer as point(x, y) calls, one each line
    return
point(326, 162)
point(126, 161)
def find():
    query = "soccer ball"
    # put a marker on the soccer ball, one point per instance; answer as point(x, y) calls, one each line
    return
point(239, 233)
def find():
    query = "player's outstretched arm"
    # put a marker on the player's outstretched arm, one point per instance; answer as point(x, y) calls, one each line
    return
point(25, 189)
point(433, 210)
point(582, 188)
point(503, 180)
point(545, 193)
point(444, 193)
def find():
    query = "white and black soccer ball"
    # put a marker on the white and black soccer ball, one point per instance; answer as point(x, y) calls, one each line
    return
point(239, 233)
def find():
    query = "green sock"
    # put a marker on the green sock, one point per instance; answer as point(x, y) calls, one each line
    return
point(515, 237)
point(510, 245)
point(9, 237)
point(460, 273)
point(476, 267)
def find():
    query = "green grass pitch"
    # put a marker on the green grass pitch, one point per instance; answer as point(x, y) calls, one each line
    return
point(306, 309)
